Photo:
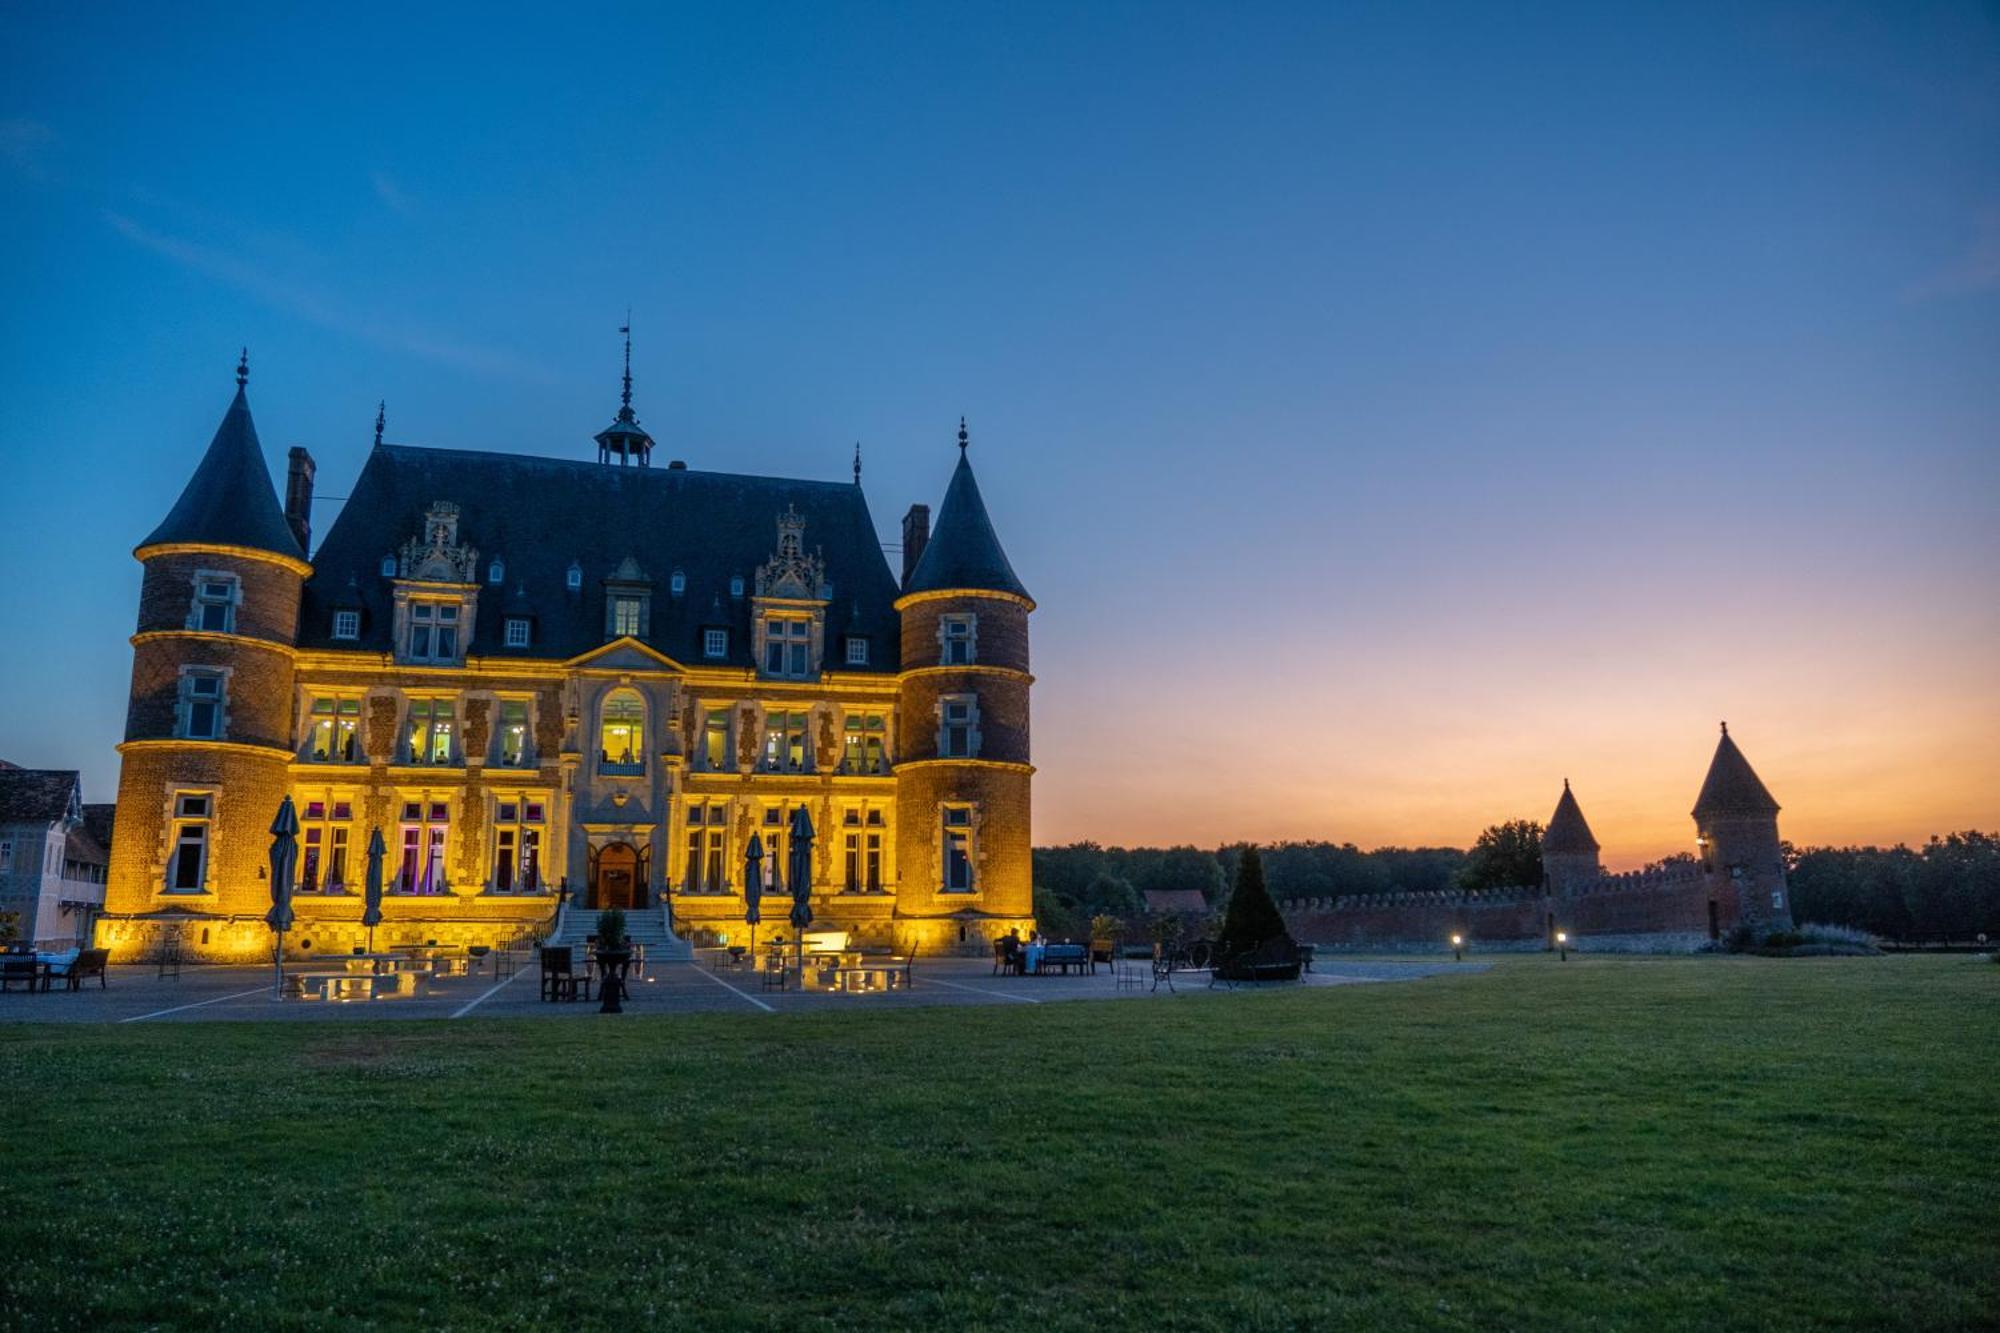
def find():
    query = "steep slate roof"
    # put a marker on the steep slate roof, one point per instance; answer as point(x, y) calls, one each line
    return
point(964, 551)
point(229, 501)
point(36, 795)
point(1567, 830)
point(540, 514)
point(1732, 787)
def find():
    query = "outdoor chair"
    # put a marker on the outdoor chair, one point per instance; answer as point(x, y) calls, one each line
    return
point(89, 963)
point(773, 974)
point(24, 970)
point(1007, 957)
point(560, 981)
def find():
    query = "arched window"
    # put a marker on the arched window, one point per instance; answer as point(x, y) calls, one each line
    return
point(622, 733)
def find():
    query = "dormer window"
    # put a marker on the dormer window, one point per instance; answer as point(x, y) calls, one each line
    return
point(517, 632)
point(736, 586)
point(625, 612)
point(574, 580)
point(715, 643)
point(433, 631)
point(388, 566)
point(787, 646)
point(857, 651)
point(679, 583)
point(346, 624)
point(496, 572)
point(215, 598)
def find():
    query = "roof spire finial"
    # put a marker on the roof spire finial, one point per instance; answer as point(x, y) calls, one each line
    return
point(857, 462)
point(1565, 784)
point(381, 420)
point(626, 329)
point(1725, 728)
point(963, 438)
point(243, 368)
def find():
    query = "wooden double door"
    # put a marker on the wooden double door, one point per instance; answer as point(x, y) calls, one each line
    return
point(618, 877)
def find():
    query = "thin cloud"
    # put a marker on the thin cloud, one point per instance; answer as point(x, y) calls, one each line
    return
point(386, 190)
point(315, 307)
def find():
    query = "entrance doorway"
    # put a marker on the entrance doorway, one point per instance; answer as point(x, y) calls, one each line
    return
point(616, 883)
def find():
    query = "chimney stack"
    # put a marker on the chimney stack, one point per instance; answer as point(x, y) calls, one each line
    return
point(916, 533)
point(299, 496)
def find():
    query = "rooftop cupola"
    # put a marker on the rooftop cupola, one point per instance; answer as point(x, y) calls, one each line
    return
point(230, 502)
point(624, 440)
point(963, 552)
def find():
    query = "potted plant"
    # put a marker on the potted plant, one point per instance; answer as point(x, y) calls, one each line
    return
point(614, 955)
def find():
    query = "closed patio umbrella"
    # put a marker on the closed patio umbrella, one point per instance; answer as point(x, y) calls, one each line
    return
point(799, 872)
point(753, 890)
point(284, 865)
point(371, 892)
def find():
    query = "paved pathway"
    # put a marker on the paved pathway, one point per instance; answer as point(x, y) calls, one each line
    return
point(206, 994)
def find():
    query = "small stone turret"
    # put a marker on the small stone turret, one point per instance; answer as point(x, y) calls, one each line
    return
point(1736, 827)
point(1569, 849)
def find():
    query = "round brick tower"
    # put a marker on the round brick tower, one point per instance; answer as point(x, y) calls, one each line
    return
point(965, 875)
point(208, 730)
point(1736, 825)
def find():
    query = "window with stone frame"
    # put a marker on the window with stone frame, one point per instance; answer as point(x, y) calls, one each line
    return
point(326, 839)
point(425, 835)
point(959, 853)
point(864, 743)
point(958, 639)
point(776, 834)
point(627, 615)
point(788, 647)
point(513, 739)
point(622, 733)
point(215, 600)
point(717, 756)
point(958, 726)
point(333, 730)
point(864, 831)
point(518, 823)
point(786, 748)
point(707, 868)
point(187, 841)
point(202, 712)
point(432, 734)
point(433, 631)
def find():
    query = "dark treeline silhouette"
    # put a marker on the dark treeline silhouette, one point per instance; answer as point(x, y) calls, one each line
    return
point(1946, 890)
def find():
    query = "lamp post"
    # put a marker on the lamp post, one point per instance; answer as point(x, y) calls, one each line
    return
point(1562, 945)
point(1458, 948)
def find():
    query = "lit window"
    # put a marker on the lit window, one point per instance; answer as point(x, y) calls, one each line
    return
point(517, 633)
point(715, 643)
point(862, 832)
point(187, 866)
point(514, 732)
point(324, 833)
point(862, 750)
point(346, 624)
point(958, 852)
point(625, 616)
point(679, 583)
point(575, 577)
point(707, 835)
point(201, 705)
point(333, 731)
point(433, 631)
point(433, 723)
point(958, 733)
point(715, 754)
point(787, 646)
point(785, 743)
point(959, 637)
point(776, 829)
point(517, 847)
point(214, 603)
point(388, 566)
point(857, 652)
point(426, 828)
point(496, 572)
point(622, 736)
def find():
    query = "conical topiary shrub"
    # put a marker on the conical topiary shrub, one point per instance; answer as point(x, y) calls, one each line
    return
point(1252, 917)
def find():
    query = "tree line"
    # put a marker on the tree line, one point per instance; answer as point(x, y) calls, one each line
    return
point(1947, 889)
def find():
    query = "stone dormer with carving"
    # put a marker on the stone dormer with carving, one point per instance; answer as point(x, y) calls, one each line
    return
point(437, 592)
point(788, 613)
point(628, 601)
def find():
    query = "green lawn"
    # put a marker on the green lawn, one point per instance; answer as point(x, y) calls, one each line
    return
point(1636, 1144)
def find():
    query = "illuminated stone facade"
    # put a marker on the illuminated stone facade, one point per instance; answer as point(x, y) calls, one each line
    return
point(550, 682)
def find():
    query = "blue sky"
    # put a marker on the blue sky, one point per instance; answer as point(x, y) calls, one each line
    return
point(1395, 409)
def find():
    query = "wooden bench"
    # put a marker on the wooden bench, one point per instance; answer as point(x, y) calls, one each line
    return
point(1063, 957)
point(89, 963)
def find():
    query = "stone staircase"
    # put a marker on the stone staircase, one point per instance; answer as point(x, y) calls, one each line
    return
point(647, 926)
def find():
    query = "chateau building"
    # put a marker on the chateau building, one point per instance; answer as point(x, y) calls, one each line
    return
point(550, 681)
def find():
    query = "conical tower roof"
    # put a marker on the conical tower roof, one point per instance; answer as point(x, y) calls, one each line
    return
point(1732, 787)
point(964, 551)
point(230, 501)
point(1567, 830)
